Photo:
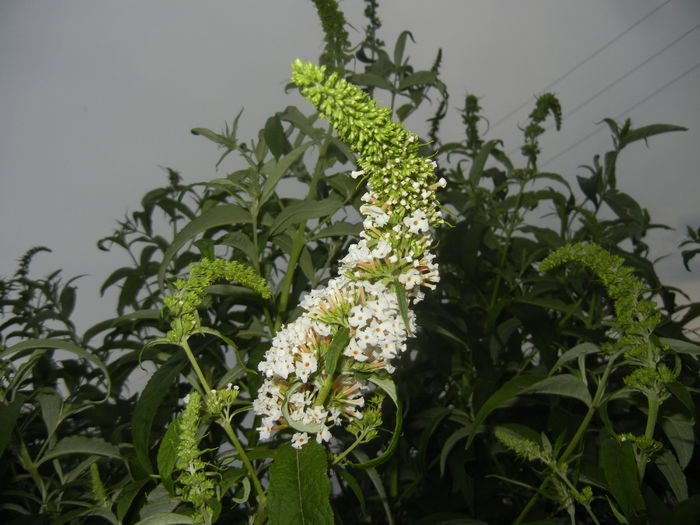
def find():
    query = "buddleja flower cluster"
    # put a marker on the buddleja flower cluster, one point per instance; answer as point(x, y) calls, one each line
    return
point(316, 369)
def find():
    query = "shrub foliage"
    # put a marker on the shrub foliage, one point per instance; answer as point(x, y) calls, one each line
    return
point(551, 377)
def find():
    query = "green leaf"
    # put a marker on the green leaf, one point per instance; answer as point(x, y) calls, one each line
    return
point(128, 495)
point(8, 419)
point(152, 396)
point(682, 437)
point(370, 79)
point(338, 343)
point(33, 344)
point(299, 489)
point(671, 470)
point(80, 445)
point(274, 136)
point(477, 168)
point(139, 315)
point(376, 480)
point(681, 393)
point(167, 455)
point(224, 215)
point(276, 169)
point(508, 391)
point(574, 353)
point(351, 482)
point(301, 211)
point(645, 132)
point(562, 385)
point(450, 442)
point(620, 469)
point(400, 47)
point(681, 347)
point(338, 229)
point(50, 405)
point(419, 78)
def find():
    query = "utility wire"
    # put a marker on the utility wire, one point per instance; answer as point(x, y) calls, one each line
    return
point(620, 79)
point(580, 64)
point(636, 68)
point(628, 110)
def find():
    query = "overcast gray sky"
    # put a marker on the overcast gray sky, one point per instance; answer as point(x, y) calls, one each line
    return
point(97, 97)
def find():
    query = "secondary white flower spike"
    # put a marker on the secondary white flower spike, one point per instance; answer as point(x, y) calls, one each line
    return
point(360, 321)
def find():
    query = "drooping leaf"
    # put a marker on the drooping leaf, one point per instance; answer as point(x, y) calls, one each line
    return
point(300, 211)
point(419, 78)
point(645, 132)
point(620, 469)
point(80, 445)
point(371, 79)
point(299, 489)
point(34, 344)
point(128, 495)
point(146, 407)
point(351, 482)
point(167, 455)
point(562, 385)
point(682, 437)
point(509, 390)
point(338, 229)
point(669, 467)
point(574, 353)
point(682, 347)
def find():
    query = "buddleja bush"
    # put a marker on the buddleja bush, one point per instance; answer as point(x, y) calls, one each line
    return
point(308, 360)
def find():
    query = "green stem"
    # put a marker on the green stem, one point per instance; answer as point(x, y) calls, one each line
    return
point(226, 425)
point(580, 431)
point(654, 404)
point(186, 347)
point(347, 450)
point(528, 507)
point(325, 389)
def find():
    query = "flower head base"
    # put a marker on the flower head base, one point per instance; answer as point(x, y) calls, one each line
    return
point(316, 369)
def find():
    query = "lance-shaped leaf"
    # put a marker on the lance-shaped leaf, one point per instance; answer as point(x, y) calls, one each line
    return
point(152, 396)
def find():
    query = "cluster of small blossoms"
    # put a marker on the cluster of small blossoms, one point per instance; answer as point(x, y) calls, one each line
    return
point(360, 321)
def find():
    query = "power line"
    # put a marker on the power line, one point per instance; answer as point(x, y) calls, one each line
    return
point(581, 63)
point(620, 79)
point(620, 115)
point(637, 67)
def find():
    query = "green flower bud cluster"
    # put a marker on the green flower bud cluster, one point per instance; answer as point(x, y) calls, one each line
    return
point(647, 446)
point(219, 402)
point(195, 485)
point(98, 489)
point(190, 293)
point(523, 447)
point(564, 489)
point(367, 428)
point(635, 318)
point(388, 153)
